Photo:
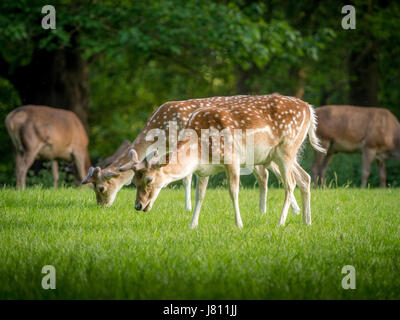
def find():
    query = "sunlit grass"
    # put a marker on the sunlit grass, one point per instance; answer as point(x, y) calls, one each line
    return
point(120, 253)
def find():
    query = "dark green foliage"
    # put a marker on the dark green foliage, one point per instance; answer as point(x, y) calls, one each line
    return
point(8, 101)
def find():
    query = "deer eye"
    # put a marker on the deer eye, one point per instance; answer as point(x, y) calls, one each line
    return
point(138, 175)
point(149, 180)
point(102, 189)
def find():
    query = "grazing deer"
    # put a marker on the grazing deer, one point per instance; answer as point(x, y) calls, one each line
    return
point(108, 181)
point(39, 132)
point(276, 124)
point(374, 132)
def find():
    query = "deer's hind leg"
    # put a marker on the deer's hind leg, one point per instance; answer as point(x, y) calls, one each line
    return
point(54, 170)
point(303, 180)
point(24, 160)
point(285, 160)
point(320, 164)
point(293, 202)
point(382, 173)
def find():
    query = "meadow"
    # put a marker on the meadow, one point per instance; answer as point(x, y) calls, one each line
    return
point(118, 253)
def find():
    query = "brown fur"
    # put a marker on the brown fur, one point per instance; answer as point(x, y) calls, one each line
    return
point(40, 132)
point(374, 132)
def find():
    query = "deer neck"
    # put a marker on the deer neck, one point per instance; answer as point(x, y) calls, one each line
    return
point(184, 165)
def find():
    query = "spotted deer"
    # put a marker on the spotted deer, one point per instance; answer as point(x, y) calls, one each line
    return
point(276, 126)
point(108, 181)
point(40, 132)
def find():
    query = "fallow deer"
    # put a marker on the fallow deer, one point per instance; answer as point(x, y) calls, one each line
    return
point(108, 181)
point(374, 132)
point(278, 126)
point(40, 132)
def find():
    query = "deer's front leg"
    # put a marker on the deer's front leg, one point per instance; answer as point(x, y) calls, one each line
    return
point(188, 187)
point(233, 173)
point(367, 156)
point(201, 187)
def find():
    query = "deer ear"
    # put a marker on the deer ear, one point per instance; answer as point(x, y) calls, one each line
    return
point(89, 177)
point(148, 179)
point(133, 156)
point(152, 159)
point(96, 172)
point(132, 162)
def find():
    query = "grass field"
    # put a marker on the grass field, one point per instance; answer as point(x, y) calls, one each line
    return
point(118, 253)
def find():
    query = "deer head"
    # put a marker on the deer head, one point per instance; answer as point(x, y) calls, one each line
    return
point(104, 184)
point(148, 178)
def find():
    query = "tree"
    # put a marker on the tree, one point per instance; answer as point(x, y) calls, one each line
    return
point(51, 66)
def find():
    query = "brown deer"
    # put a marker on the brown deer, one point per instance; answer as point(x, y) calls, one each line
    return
point(39, 132)
point(108, 181)
point(276, 126)
point(373, 132)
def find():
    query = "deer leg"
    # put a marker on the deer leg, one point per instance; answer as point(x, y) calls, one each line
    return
point(54, 170)
point(303, 180)
point(23, 164)
point(382, 173)
point(286, 168)
point(187, 182)
point(201, 187)
point(20, 170)
point(316, 167)
point(367, 156)
point(293, 202)
point(262, 174)
point(318, 162)
point(79, 161)
point(324, 167)
point(233, 173)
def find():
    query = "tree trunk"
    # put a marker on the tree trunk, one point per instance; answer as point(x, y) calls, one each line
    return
point(364, 73)
point(244, 84)
point(242, 80)
point(54, 78)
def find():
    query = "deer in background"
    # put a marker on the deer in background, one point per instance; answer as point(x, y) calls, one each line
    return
point(108, 181)
point(278, 126)
point(373, 132)
point(39, 132)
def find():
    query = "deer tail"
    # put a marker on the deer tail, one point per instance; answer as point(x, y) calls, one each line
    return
point(312, 131)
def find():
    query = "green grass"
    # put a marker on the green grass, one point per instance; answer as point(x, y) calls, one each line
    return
point(118, 253)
